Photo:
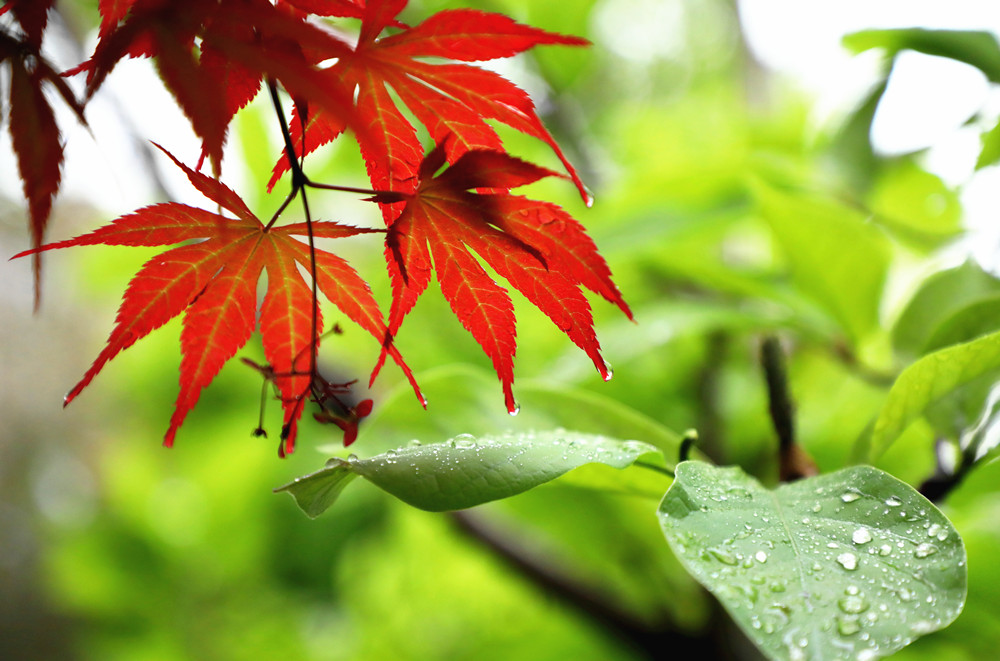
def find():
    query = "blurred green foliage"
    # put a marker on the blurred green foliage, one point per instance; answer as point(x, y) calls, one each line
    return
point(724, 214)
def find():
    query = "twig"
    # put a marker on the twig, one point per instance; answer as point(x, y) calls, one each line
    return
point(793, 462)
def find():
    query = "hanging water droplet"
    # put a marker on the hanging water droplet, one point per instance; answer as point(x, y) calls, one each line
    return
point(515, 409)
point(924, 550)
point(848, 561)
point(892, 501)
point(850, 496)
point(861, 536)
point(609, 372)
point(588, 199)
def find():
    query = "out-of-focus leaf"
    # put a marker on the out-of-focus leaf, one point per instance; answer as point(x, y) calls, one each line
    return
point(836, 256)
point(975, 319)
point(916, 205)
point(853, 564)
point(928, 380)
point(467, 471)
point(935, 305)
point(990, 155)
point(852, 145)
point(978, 48)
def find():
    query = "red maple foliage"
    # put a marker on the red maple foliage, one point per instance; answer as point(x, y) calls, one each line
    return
point(443, 212)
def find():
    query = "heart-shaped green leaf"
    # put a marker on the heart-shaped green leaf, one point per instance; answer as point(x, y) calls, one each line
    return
point(850, 565)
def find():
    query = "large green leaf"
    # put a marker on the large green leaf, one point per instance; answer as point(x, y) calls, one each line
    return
point(836, 256)
point(466, 471)
point(850, 565)
point(928, 380)
point(980, 49)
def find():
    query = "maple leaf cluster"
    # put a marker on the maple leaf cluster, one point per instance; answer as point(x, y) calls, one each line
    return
point(447, 211)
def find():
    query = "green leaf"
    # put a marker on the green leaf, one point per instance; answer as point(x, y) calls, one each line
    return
point(316, 492)
point(850, 565)
point(916, 205)
point(939, 298)
point(990, 154)
point(836, 256)
point(929, 379)
point(466, 471)
point(978, 48)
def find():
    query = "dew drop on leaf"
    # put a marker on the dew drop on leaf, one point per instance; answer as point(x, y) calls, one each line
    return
point(892, 501)
point(861, 536)
point(848, 561)
point(850, 496)
point(924, 550)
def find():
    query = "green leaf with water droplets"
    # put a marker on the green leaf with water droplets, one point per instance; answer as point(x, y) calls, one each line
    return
point(851, 565)
point(466, 471)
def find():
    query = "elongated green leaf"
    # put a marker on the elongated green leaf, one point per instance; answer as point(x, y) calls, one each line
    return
point(850, 565)
point(927, 380)
point(978, 48)
point(466, 471)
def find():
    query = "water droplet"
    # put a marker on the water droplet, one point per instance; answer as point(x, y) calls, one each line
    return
point(884, 550)
point(760, 556)
point(892, 501)
point(853, 604)
point(464, 441)
point(352, 458)
point(850, 496)
point(848, 625)
point(414, 444)
point(861, 536)
point(924, 550)
point(588, 199)
point(848, 561)
point(723, 556)
point(817, 507)
point(515, 409)
point(391, 454)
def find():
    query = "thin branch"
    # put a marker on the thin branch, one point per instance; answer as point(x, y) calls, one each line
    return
point(793, 462)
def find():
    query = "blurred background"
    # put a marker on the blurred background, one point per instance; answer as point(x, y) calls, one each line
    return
point(720, 139)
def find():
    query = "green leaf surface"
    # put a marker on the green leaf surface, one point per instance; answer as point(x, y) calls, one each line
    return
point(919, 327)
point(316, 492)
point(978, 48)
point(916, 205)
point(851, 565)
point(836, 256)
point(928, 380)
point(467, 471)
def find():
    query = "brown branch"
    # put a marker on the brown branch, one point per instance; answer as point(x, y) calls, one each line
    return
point(793, 462)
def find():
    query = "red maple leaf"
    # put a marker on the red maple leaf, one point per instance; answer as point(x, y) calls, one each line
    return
point(213, 55)
point(33, 129)
point(213, 278)
point(448, 99)
point(537, 247)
